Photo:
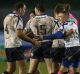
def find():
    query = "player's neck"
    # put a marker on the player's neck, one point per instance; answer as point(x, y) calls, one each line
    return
point(18, 14)
point(41, 13)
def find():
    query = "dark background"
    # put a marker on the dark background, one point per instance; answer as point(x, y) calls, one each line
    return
point(6, 7)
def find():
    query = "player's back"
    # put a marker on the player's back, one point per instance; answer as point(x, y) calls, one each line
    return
point(10, 27)
point(41, 25)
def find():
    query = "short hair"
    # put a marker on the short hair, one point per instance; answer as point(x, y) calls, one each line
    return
point(19, 5)
point(32, 11)
point(40, 7)
point(67, 7)
point(61, 8)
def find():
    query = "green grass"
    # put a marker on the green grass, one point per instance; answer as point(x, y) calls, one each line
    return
point(42, 67)
point(2, 66)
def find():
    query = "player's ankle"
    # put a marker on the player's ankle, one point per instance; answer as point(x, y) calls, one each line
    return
point(5, 72)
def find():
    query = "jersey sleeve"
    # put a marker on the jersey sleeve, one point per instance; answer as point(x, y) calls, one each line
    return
point(33, 27)
point(27, 27)
point(57, 35)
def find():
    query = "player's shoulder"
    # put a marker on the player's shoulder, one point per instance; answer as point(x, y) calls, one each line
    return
point(11, 15)
point(33, 20)
point(52, 18)
point(7, 18)
point(42, 17)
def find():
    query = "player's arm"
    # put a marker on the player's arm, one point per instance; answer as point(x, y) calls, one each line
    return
point(23, 36)
point(57, 35)
point(27, 30)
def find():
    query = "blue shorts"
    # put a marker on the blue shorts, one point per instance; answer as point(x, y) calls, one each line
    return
point(43, 51)
point(72, 55)
point(67, 63)
point(15, 54)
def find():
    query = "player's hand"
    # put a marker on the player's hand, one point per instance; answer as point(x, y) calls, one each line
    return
point(69, 32)
point(37, 43)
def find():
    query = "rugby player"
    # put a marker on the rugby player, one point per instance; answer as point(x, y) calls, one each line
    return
point(68, 31)
point(13, 33)
point(41, 24)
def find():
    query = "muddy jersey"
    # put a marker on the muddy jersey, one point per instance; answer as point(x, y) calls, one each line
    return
point(12, 23)
point(41, 25)
point(27, 27)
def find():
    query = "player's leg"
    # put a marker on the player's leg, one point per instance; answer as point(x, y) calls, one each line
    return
point(19, 53)
point(22, 68)
point(10, 68)
point(55, 65)
point(11, 64)
point(33, 66)
point(47, 46)
point(63, 68)
point(34, 60)
point(65, 63)
point(48, 62)
point(57, 55)
point(75, 61)
point(76, 66)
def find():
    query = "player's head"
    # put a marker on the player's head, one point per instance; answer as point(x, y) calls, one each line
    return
point(39, 9)
point(32, 14)
point(61, 12)
point(20, 8)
